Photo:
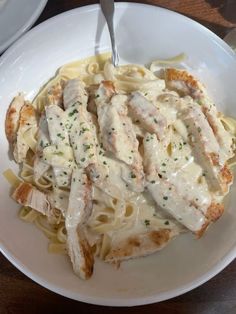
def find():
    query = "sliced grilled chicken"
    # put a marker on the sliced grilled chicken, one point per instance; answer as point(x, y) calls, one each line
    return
point(75, 93)
point(140, 244)
point(207, 150)
point(147, 113)
point(80, 125)
point(28, 120)
point(81, 133)
point(40, 167)
point(55, 93)
point(13, 117)
point(59, 154)
point(167, 195)
point(27, 195)
point(223, 137)
point(104, 93)
point(186, 84)
point(59, 199)
point(79, 209)
point(107, 176)
point(117, 134)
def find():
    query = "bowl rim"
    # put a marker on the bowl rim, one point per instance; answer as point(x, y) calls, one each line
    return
point(135, 301)
point(40, 7)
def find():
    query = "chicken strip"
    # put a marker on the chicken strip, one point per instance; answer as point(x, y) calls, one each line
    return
point(40, 167)
point(55, 93)
point(13, 117)
point(59, 154)
point(28, 120)
point(207, 150)
point(27, 195)
point(186, 84)
point(147, 113)
point(118, 136)
point(75, 93)
point(79, 123)
point(140, 244)
point(167, 195)
point(79, 209)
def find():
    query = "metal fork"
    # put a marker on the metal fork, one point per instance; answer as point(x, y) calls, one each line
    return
point(108, 9)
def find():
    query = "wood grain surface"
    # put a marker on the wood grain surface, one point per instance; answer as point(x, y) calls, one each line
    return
point(19, 294)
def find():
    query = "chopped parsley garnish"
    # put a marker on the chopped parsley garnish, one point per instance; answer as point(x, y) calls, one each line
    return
point(132, 175)
point(167, 222)
point(83, 130)
point(147, 222)
point(165, 198)
point(153, 181)
point(86, 147)
point(73, 112)
point(82, 159)
point(58, 153)
point(155, 120)
point(163, 164)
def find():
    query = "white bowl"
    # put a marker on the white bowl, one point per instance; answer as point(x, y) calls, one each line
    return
point(143, 33)
point(16, 17)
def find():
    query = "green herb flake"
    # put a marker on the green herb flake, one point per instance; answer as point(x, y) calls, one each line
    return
point(73, 112)
point(86, 147)
point(165, 198)
point(58, 153)
point(147, 222)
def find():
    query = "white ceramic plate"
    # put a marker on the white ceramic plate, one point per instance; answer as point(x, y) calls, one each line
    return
point(16, 17)
point(144, 33)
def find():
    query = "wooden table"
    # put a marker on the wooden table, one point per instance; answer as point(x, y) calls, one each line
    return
point(19, 294)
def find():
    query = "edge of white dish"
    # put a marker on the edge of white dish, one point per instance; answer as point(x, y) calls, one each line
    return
point(25, 27)
point(229, 257)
